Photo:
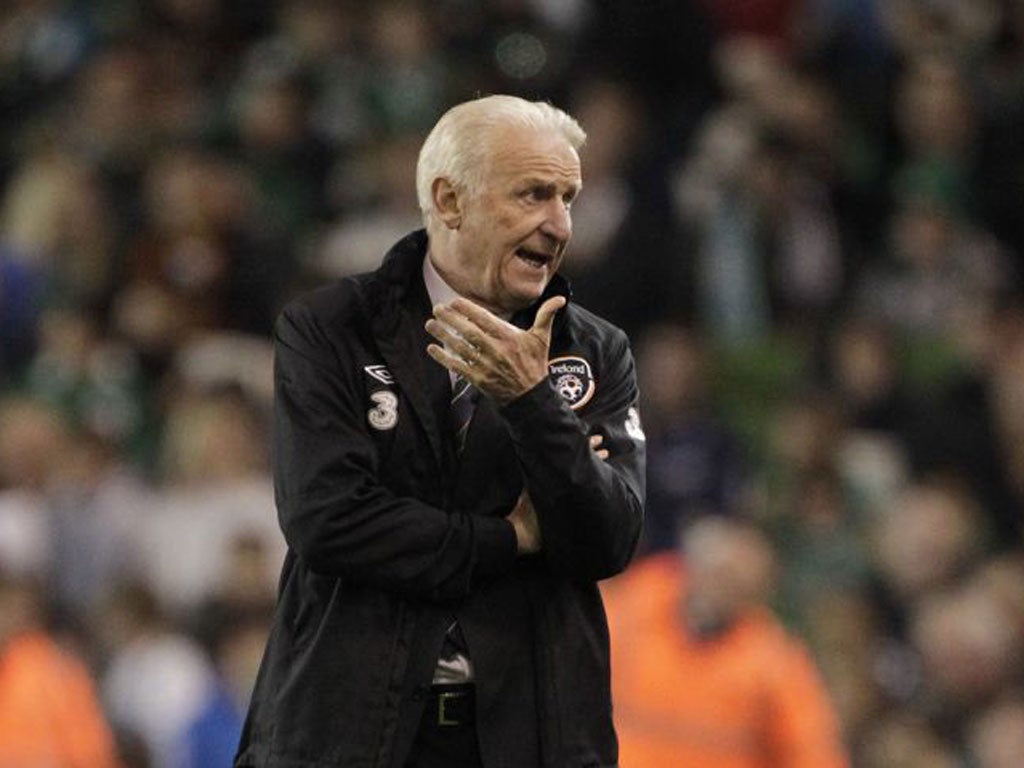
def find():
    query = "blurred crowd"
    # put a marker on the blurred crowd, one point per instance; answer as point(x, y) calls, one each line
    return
point(806, 213)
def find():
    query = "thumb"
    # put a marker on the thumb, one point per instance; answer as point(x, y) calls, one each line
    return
point(546, 316)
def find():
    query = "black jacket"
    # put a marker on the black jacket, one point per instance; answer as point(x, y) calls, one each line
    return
point(389, 533)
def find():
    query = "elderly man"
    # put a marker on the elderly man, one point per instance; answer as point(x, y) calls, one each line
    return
point(458, 460)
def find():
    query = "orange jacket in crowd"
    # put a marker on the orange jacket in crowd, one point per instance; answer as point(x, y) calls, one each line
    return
point(49, 714)
point(749, 698)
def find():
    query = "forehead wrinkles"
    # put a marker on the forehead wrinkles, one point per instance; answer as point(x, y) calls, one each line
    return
point(520, 153)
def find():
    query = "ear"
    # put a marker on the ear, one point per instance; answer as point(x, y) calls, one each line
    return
point(446, 202)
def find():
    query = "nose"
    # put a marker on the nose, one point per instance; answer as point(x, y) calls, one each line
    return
point(558, 222)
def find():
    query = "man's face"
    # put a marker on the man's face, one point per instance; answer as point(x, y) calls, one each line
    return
point(514, 231)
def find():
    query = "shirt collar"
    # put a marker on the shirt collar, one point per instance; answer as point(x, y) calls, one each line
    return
point(438, 291)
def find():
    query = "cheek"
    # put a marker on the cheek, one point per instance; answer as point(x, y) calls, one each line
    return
point(512, 223)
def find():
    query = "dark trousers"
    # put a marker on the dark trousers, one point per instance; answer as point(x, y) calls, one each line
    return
point(447, 732)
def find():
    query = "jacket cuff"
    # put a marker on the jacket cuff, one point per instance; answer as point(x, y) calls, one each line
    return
point(496, 545)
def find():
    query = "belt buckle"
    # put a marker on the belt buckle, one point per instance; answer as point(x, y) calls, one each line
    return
point(442, 707)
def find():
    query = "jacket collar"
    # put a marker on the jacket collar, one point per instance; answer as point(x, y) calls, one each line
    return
point(402, 263)
point(398, 307)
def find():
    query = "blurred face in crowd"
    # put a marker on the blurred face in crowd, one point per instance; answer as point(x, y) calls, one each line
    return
point(922, 234)
point(967, 641)
point(731, 567)
point(672, 371)
point(933, 107)
point(865, 365)
point(33, 439)
point(924, 540)
point(508, 237)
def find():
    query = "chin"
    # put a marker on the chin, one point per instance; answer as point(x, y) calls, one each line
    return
point(524, 299)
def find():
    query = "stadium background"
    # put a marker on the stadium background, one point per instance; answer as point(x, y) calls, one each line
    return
point(808, 214)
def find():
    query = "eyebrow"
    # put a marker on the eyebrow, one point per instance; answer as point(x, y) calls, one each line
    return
point(533, 181)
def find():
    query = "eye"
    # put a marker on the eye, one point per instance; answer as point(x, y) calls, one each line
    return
point(536, 194)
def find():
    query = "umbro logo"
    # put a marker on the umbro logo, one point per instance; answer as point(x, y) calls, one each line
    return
point(380, 373)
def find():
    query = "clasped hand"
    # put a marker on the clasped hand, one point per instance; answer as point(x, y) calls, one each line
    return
point(524, 516)
point(499, 359)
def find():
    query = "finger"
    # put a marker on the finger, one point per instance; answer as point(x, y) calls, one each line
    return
point(443, 332)
point(463, 327)
point(546, 315)
point(596, 440)
point(486, 321)
point(602, 454)
point(452, 341)
point(525, 500)
point(450, 361)
point(444, 357)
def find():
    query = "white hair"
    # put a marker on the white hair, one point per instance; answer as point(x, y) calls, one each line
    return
point(459, 144)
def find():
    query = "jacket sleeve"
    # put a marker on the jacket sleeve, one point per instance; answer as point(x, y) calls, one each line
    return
point(590, 510)
point(335, 513)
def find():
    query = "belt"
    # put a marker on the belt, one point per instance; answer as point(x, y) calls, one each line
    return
point(450, 706)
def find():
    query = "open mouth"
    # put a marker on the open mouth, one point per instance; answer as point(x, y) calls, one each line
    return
point(536, 259)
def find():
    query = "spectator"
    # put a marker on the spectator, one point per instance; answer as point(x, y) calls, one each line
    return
point(703, 675)
point(696, 466)
point(94, 381)
point(940, 271)
point(820, 546)
point(966, 425)
point(865, 372)
point(926, 541)
point(33, 438)
point(805, 436)
point(845, 635)
point(93, 513)
point(384, 181)
point(147, 653)
point(624, 219)
point(970, 650)
point(49, 712)
point(761, 194)
point(57, 223)
point(216, 488)
point(237, 634)
point(406, 80)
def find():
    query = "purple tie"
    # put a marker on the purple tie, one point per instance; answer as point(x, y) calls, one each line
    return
point(463, 404)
